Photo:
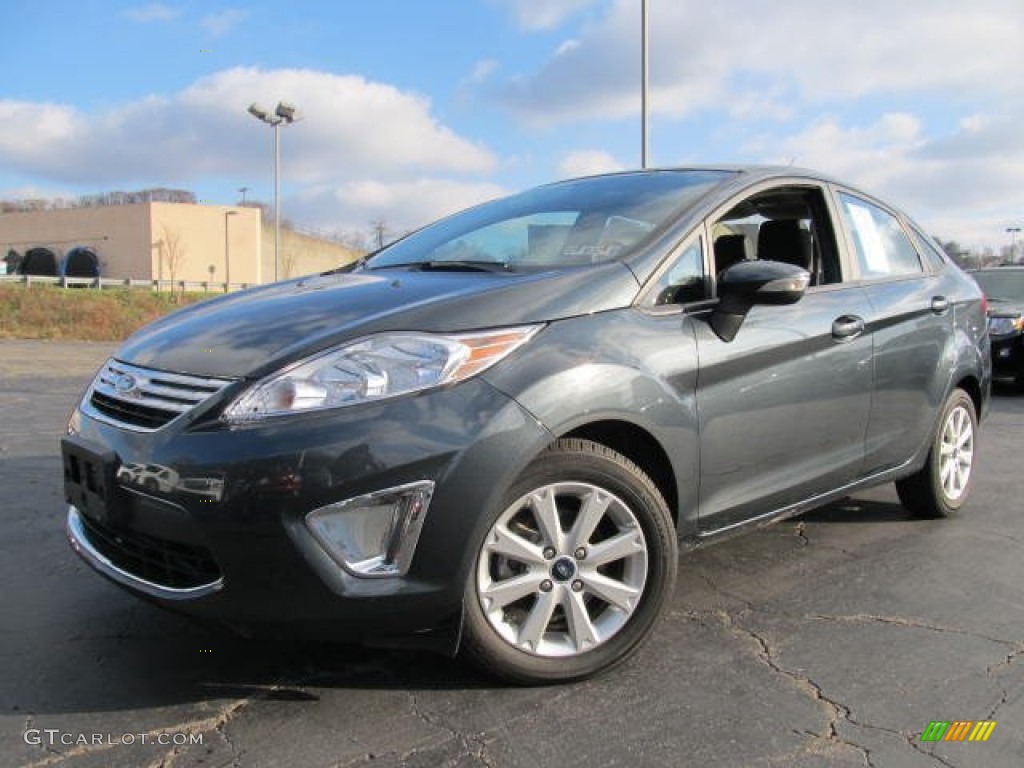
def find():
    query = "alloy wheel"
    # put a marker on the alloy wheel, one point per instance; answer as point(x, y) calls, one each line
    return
point(956, 453)
point(562, 569)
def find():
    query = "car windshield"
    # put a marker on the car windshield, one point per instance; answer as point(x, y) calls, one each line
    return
point(1001, 285)
point(587, 221)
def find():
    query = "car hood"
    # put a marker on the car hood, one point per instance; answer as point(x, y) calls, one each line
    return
point(1005, 308)
point(254, 332)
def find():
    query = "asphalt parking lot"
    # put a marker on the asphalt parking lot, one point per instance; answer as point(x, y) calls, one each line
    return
point(830, 640)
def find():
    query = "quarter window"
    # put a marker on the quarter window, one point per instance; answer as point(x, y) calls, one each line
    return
point(880, 244)
point(934, 256)
point(683, 281)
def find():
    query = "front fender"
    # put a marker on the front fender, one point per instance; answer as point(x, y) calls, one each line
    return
point(616, 367)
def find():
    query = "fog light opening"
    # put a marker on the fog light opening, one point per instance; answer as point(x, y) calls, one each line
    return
point(375, 535)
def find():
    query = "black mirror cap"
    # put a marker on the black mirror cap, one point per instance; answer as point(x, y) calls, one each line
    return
point(747, 283)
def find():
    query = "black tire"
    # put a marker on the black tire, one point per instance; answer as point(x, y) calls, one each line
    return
point(932, 492)
point(570, 477)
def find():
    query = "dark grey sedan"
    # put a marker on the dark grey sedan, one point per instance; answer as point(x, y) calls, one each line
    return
point(496, 434)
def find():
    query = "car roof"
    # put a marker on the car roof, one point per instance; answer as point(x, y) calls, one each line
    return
point(751, 172)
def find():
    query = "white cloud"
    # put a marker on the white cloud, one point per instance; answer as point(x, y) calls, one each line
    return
point(221, 23)
point(713, 55)
point(536, 15)
point(154, 12)
point(959, 186)
point(854, 89)
point(352, 126)
point(587, 162)
point(402, 205)
point(482, 70)
point(354, 131)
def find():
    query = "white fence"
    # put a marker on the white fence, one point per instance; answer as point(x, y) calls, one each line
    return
point(98, 283)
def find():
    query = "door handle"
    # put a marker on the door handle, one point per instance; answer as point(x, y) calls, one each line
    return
point(940, 305)
point(847, 327)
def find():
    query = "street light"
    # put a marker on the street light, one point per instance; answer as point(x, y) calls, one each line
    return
point(227, 252)
point(1012, 231)
point(286, 114)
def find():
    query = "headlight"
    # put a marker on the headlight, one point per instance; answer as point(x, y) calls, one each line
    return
point(376, 368)
point(1000, 326)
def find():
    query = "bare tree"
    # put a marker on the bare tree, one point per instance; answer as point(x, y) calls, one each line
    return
point(172, 251)
point(289, 260)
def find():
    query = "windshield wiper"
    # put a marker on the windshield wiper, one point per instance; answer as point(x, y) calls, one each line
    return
point(450, 266)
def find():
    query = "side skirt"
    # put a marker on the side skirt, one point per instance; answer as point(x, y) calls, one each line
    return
point(704, 538)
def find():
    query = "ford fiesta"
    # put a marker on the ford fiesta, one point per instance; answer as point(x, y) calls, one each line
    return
point(495, 435)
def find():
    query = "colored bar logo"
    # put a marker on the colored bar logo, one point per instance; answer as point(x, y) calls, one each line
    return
point(958, 730)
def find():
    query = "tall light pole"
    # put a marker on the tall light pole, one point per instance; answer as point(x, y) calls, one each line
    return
point(1013, 232)
point(227, 251)
point(286, 114)
point(644, 134)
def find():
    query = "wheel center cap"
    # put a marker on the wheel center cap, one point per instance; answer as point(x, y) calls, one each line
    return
point(563, 569)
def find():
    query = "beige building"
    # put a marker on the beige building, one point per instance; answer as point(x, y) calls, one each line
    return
point(173, 242)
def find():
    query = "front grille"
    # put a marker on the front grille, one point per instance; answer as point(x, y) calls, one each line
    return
point(164, 563)
point(146, 399)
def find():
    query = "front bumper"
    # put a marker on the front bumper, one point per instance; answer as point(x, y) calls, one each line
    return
point(211, 520)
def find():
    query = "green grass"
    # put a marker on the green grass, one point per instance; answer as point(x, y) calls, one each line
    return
point(50, 312)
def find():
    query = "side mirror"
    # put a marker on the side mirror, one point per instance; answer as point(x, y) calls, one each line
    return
point(747, 283)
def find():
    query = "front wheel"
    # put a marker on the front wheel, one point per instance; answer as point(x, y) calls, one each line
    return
point(573, 572)
point(941, 486)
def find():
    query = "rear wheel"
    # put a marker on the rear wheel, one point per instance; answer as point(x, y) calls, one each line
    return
point(573, 572)
point(941, 486)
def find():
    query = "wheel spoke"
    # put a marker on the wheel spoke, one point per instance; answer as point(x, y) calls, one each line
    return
point(546, 512)
point(532, 630)
point(965, 440)
point(500, 593)
point(963, 472)
point(611, 591)
point(628, 543)
point(581, 628)
point(502, 541)
point(945, 474)
point(590, 515)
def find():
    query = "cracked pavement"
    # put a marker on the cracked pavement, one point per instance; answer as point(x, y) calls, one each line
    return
point(829, 640)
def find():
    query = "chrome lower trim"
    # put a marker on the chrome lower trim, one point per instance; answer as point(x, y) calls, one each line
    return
point(806, 505)
point(80, 543)
point(394, 553)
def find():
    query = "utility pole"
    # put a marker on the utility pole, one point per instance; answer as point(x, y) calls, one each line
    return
point(644, 132)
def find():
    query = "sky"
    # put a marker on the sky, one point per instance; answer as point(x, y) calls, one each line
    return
point(414, 109)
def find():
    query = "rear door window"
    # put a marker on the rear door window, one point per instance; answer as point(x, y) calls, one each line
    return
point(881, 247)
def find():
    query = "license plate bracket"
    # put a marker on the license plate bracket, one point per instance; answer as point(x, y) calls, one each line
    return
point(90, 478)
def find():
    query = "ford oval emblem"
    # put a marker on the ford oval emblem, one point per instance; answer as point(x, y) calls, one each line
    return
point(125, 383)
